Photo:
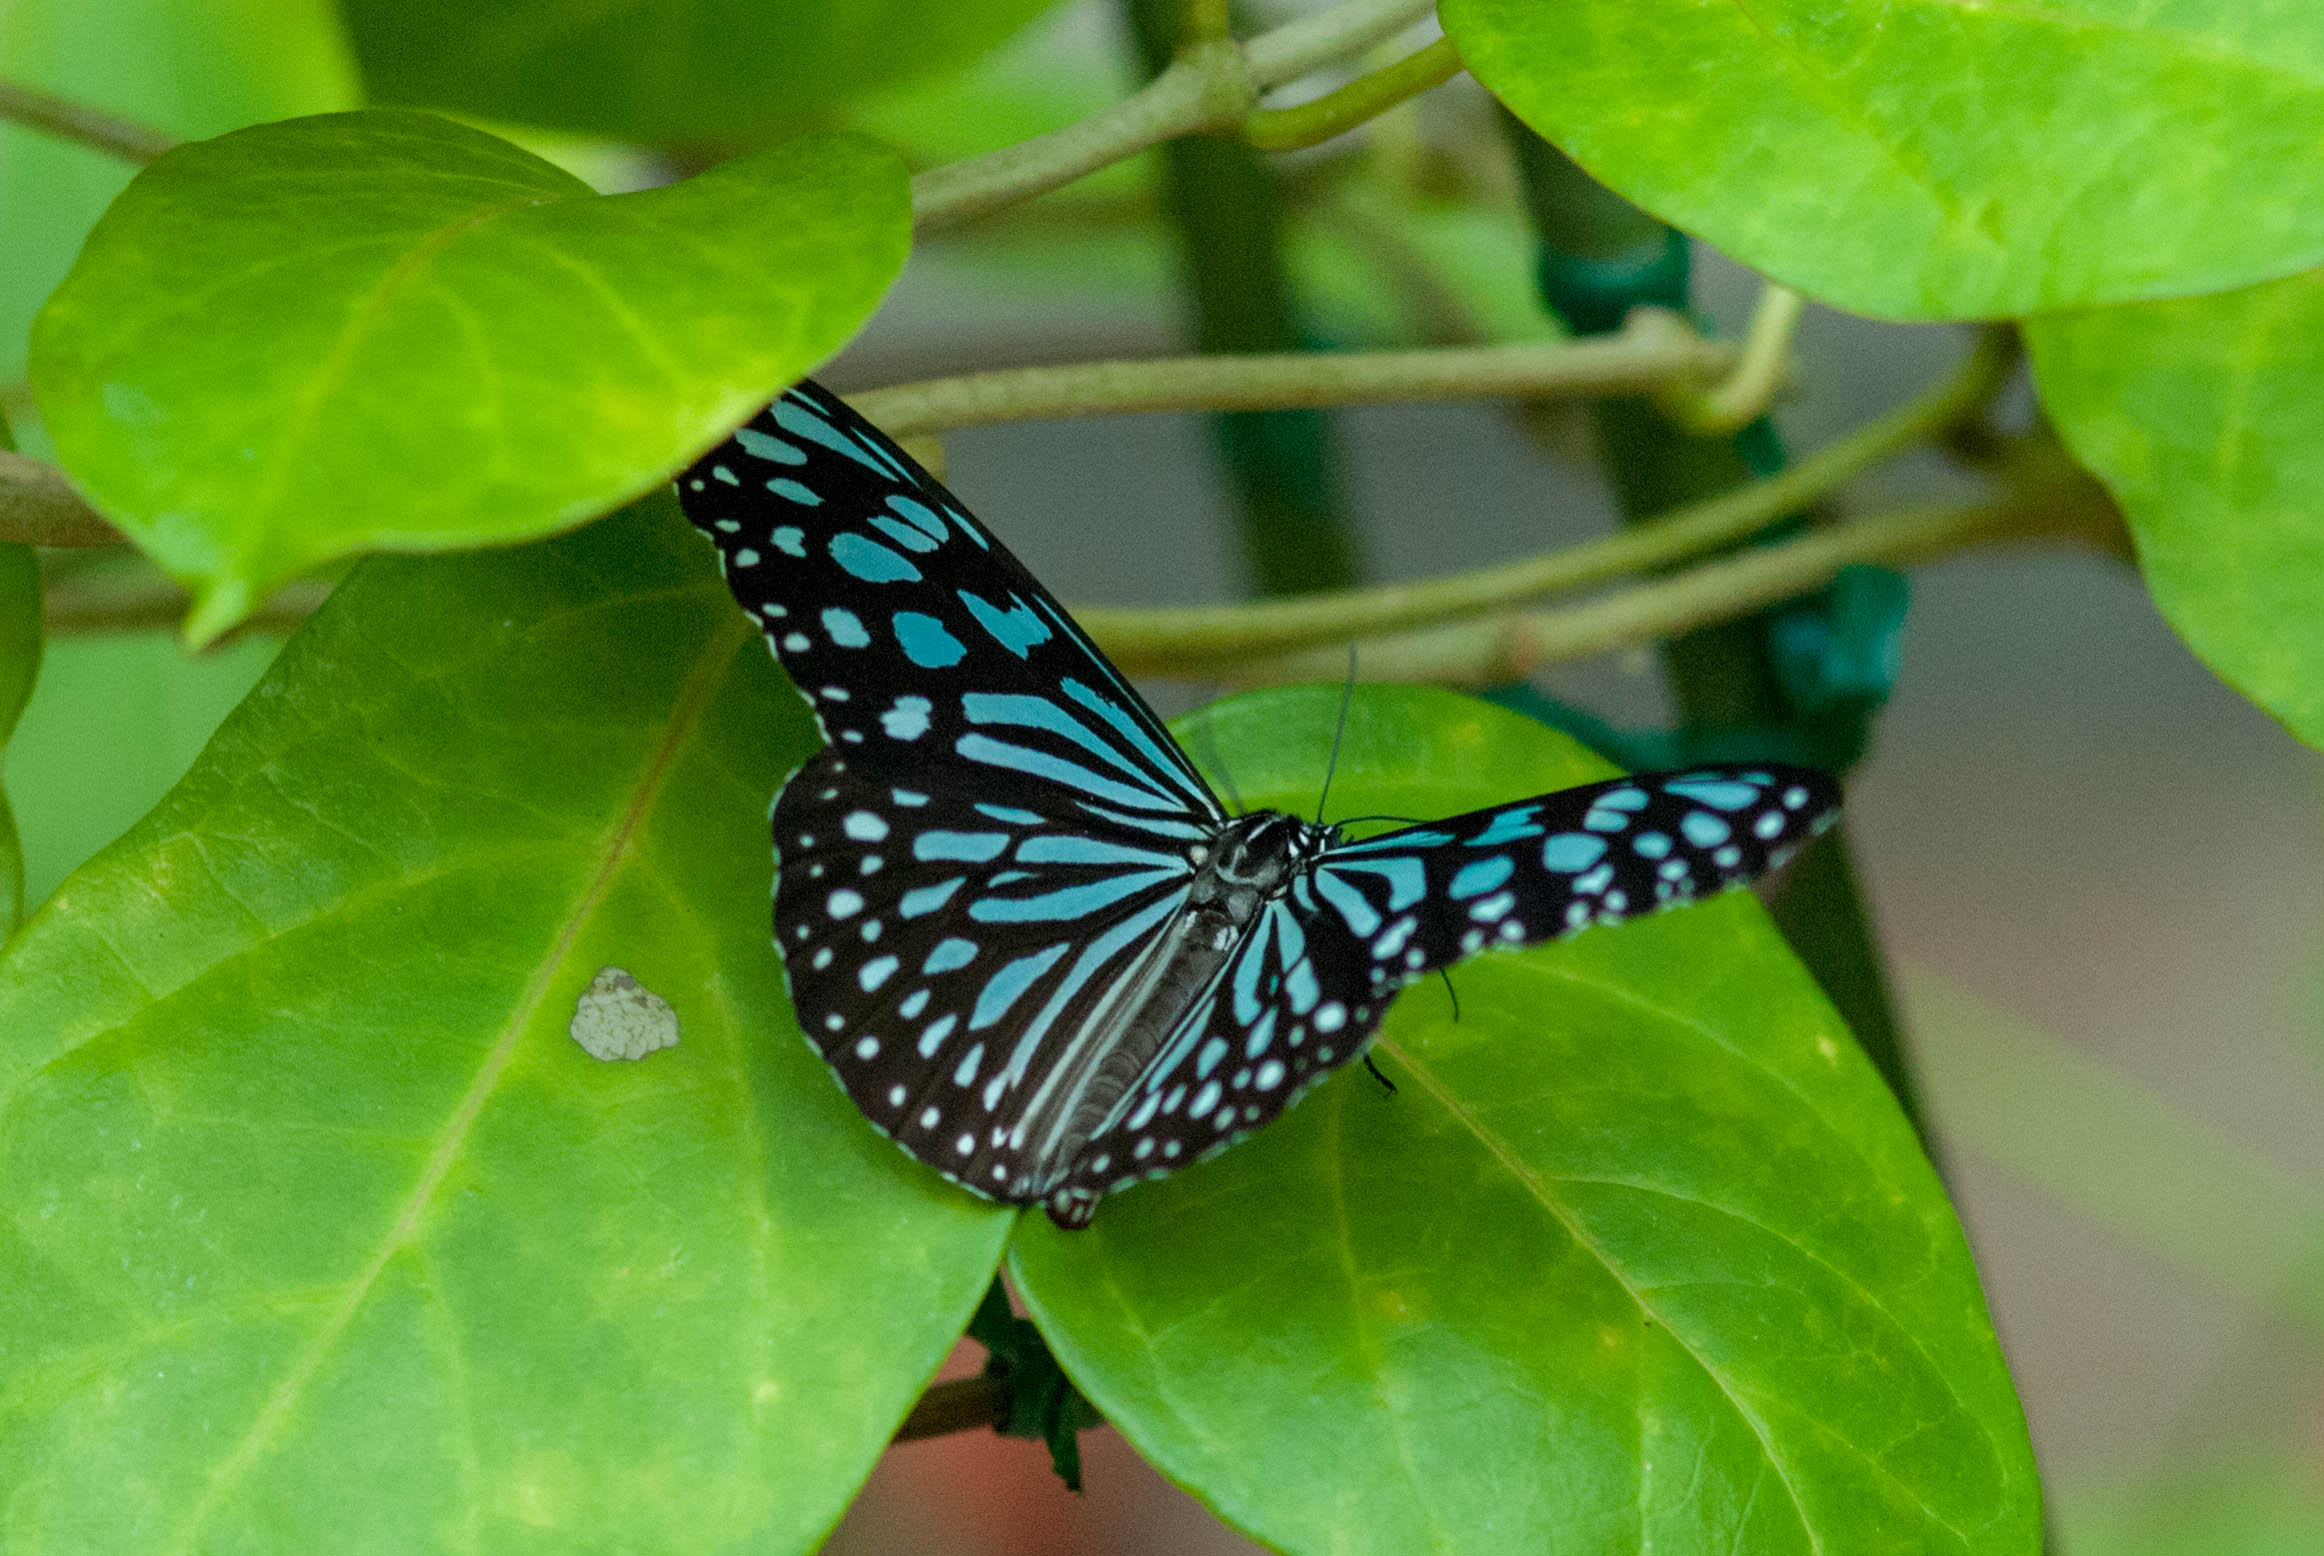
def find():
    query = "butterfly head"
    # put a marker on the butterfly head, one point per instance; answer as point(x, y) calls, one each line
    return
point(1254, 858)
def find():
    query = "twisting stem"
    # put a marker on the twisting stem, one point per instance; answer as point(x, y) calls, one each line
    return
point(1211, 85)
point(39, 507)
point(1653, 350)
point(1365, 98)
point(1759, 371)
point(1162, 641)
point(93, 127)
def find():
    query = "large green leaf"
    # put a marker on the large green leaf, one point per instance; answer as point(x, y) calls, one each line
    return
point(384, 330)
point(1639, 1255)
point(317, 1230)
point(1929, 159)
point(662, 70)
point(190, 67)
point(2205, 418)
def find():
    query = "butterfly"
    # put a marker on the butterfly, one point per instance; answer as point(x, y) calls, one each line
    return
point(1030, 942)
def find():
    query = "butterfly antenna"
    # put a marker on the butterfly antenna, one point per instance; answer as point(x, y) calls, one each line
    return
point(1217, 759)
point(1347, 695)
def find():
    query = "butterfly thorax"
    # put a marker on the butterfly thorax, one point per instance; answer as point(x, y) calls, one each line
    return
point(1245, 865)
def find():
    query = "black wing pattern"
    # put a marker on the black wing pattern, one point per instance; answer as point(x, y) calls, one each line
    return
point(1307, 989)
point(1015, 922)
point(999, 824)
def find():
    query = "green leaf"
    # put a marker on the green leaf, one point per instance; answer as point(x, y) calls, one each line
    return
point(113, 725)
point(2205, 419)
point(318, 1232)
point(663, 70)
point(191, 67)
point(1640, 1254)
point(20, 642)
point(384, 330)
point(1926, 159)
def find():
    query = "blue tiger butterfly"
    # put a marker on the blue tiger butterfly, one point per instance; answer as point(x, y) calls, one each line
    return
point(1033, 946)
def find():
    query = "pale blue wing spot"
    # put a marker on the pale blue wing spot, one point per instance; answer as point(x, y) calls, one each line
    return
point(1300, 987)
point(1568, 853)
point(1069, 902)
point(1719, 796)
point(1652, 845)
point(908, 720)
point(902, 534)
point(1703, 829)
point(1628, 797)
point(938, 1031)
point(1606, 820)
point(1039, 764)
point(1407, 878)
point(803, 421)
point(951, 954)
point(845, 627)
point(1012, 815)
point(921, 901)
point(770, 448)
point(1508, 827)
point(870, 561)
point(1063, 848)
point(919, 515)
point(963, 847)
point(1208, 1060)
point(1361, 917)
point(927, 642)
point(1018, 629)
point(790, 540)
point(791, 491)
point(1474, 880)
point(726, 475)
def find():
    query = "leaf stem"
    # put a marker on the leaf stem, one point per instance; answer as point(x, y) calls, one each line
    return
point(957, 1405)
point(1211, 85)
point(1363, 99)
point(39, 507)
point(1652, 351)
point(1163, 641)
point(91, 127)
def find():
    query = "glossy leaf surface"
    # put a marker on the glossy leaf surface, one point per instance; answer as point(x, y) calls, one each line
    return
point(387, 331)
point(1924, 159)
point(1640, 1254)
point(187, 67)
point(2205, 418)
point(662, 70)
point(301, 1171)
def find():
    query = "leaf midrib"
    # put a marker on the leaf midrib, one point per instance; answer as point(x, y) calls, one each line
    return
point(709, 672)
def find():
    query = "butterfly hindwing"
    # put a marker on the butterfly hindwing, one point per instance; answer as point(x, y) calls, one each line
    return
point(941, 949)
point(1426, 896)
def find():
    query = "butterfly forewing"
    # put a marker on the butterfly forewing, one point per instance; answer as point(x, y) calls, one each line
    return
point(921, 642)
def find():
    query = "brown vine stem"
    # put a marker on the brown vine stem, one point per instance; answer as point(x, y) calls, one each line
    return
point(1212, 85)
point(1653, 350)
point(1514, 644)
point(1204, 640)
point(39, 507)
point(92, 127)
point(85, 605)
